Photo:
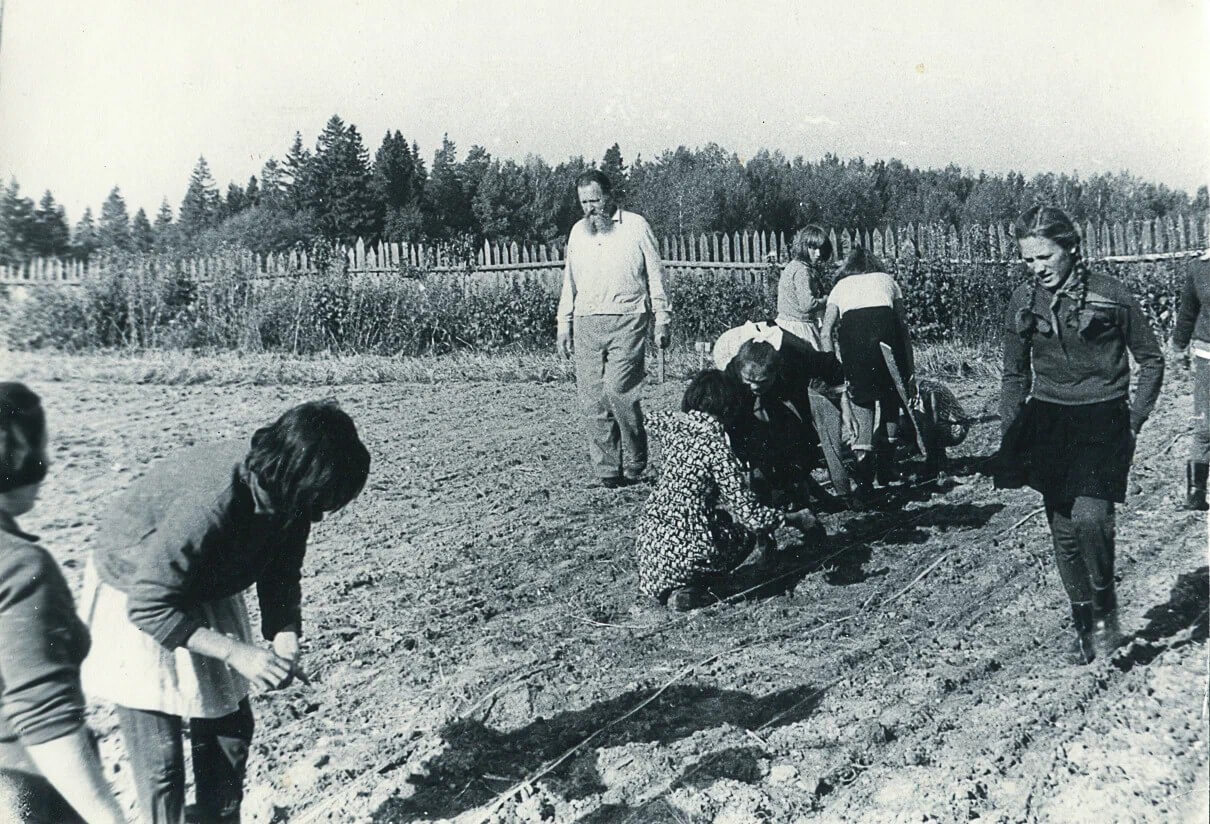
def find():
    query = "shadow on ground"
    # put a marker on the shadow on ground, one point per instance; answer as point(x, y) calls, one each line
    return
point(1187, 607)
point(481, 762)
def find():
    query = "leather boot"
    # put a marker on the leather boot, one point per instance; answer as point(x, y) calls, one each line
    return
point(886, 463)
point(1083, 648)
point(1195, 486)
point(1107, 633)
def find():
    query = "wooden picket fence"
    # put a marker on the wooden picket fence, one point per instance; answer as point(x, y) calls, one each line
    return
point(748, 253)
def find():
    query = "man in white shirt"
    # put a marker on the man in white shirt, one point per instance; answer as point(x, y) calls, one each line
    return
point(612, 286)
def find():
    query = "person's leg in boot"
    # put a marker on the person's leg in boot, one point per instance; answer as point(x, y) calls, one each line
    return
point(220, 759)
point(1093, 521)
point(862, 476)
point(886, 467)
point(157, 762)
point(1198, 468)
point(1074, 575)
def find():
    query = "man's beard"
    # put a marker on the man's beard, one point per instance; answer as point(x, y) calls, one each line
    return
point(598, 224)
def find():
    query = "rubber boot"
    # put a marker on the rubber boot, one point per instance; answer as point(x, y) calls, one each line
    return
point(1083, 648)
point(1108, 632)
point(1195, 486)
point(886, 463)
point(861, 482)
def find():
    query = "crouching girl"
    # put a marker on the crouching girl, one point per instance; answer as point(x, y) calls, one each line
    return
point(687, 544)
point(164, 598)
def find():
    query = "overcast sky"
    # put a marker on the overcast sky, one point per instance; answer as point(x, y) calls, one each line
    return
point(98, 93)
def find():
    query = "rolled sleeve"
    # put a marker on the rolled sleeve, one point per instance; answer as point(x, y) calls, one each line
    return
point(39, 667)
point(279, 588)
point(157, 599)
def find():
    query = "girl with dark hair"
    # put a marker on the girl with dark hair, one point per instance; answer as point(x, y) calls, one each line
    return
point(801, 291)
point(1068, 424)
point(865, 309)
point(686, 543)
point(164, 597)
point(49, 769)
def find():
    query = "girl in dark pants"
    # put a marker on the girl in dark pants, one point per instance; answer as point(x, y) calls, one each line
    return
point(1193, 331)
point(865, 310)
point(1068, 426)
point(164, 598)
point(49, 769)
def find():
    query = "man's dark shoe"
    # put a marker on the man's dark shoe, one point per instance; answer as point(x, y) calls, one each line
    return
point(690, 598)
point(1082, 649)
point(1195, 486)
point(619, 481)
point(1108, 633)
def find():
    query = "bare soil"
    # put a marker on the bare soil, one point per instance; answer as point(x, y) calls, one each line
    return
point(476, 650)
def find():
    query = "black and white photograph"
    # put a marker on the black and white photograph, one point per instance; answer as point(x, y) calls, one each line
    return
point(502, 412)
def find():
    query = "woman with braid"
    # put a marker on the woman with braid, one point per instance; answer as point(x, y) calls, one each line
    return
point(1068, 423)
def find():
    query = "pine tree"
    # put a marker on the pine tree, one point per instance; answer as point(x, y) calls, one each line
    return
point(84, 240)
point(449, 208)
point(51, 235)
point(113, 231)
point(141, 235)
point(252, 192)
point(612, 166)
point(16, 225)
point(164, 230)
point(273, 193)
point(200, 208)
point(344, 206)
point(297, 177)
point(236, 200)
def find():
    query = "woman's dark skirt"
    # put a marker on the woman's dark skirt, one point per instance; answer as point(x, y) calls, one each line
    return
point(860, 335)
point(1068, 452)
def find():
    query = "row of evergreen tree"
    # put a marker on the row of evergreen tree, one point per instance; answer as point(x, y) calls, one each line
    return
point(336, 192)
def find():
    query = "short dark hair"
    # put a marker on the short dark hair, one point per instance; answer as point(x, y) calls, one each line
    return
point(591, 176)
point(310, 459)
point(715, 393)
point(758, 353)
point(859, 261)
point(811, 237)
point(22, 436)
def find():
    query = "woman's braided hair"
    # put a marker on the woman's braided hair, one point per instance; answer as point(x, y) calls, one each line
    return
point(1052, 223)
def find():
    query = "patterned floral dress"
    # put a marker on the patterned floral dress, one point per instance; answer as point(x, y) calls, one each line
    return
point(683, 536)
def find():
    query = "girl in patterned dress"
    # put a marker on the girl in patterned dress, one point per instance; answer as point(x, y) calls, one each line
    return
point(685, 541)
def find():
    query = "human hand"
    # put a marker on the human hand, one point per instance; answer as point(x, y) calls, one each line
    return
point(663, 335)
point(264, 668)
point(564, 346)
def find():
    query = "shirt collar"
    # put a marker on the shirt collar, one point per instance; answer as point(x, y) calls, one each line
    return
point(262, 504)
point(617, 214)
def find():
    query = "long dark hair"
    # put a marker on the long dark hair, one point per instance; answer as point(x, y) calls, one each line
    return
point(859, 261)
point(22, 437)
point(310, 460)
point(716, 393)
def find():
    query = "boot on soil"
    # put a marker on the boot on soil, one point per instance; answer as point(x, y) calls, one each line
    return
point(1107, 633)
point(1083, 646)
point(886, 463)
point(861, 483)
point(690, 598)
point(1196, 475)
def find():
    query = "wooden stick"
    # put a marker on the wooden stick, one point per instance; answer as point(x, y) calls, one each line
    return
point(659, 363)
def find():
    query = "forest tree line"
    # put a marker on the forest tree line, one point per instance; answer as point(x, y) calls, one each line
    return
point(337, 192)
